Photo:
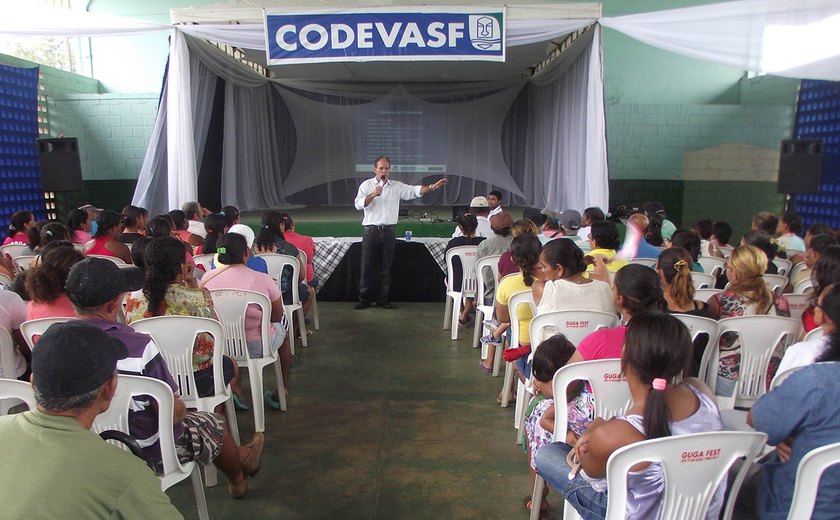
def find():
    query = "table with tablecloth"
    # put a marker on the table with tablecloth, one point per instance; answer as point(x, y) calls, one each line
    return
point(417, 272)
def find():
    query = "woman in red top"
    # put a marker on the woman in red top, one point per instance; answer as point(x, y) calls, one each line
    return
point(105, 242)
point(182, 229)
point(20, 223)
point(522, 226)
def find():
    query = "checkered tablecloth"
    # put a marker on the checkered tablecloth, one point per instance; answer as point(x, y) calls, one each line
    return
point(330, 250)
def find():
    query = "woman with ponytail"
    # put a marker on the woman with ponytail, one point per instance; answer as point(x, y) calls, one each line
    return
point(802, 414)
point(215, 225)
point(44, 283)
point(19, 225)
point(133, 221)
point(674, 270)
point(657, 348)
point(562, 286)
point(105, 241)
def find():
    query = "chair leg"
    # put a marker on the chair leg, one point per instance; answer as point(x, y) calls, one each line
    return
point(526, 400)
point(198, 490)
point(478, 328)
point(315, 316)
point(281, 389)
point(302, 327)
point(257, 399)
point(536, 498)
point(507, 383)
point(211, 475)
point(233, 424)
point(497, 359)
point(447, 310)
point(291, 322)
point(456, 313)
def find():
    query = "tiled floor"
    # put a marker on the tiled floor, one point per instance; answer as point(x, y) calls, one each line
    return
point(388, 419)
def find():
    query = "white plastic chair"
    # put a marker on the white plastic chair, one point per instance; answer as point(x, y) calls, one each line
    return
point(5, 281)
point(775, 282)
point(797, 303)
point(759, 337)
point(14, 393)
point(7, 364)
point(647, 262)
point(698, 325)
point(204, 261)
point(704, 295)
point(690, 482)
point(611, 395)
point(803, 286)
point(574, 325)
point(783, 266)
point(482, 311)
point(276, 264)
point(316, 319)
point(795, 270)
point(813, 334)
point(23, 262)
point(455, 295)
point(516, 299)
point(703, 280)
point(231, 305)
point(116, 418)
point(780, 377)
point(808, 474)
point(118, 261)
point(31, 328)
point(13, 251)
point(712, 265)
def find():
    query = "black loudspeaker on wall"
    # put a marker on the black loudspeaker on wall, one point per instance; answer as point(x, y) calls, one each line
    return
point(61, 167)
point(800, 166)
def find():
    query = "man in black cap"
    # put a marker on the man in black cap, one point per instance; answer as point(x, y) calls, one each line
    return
point(58, 467)
point(96, 287)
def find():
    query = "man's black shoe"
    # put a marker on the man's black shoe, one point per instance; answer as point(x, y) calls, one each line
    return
point(385, 305)
point(361, 304)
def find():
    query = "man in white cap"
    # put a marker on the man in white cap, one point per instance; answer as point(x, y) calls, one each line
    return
point(480, 208)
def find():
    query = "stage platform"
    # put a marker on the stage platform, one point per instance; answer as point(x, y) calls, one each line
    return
point(346, 221)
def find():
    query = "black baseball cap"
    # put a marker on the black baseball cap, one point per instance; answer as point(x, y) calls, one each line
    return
point(73, 358)
point(95, 281)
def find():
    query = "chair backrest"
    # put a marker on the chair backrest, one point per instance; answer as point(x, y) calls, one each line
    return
point(116, 416)
point(759, 337)
point(780, 377)
point(712, 265)
point(231, 306)
point(704, 295)
point(795, 270)
point(610, 389)
point(467, 255)
point(703, 280)
point(204, 261)
point(808, 474)
point(14, 389)
point(696, 326)
point(488, 262)
point(118, 261)
point(694, 466)
point(276, 264)
point(79, 247)
point(517, 299)
point(783, 266)
point(775, 282)
point(15, 250)
point(575, 325)
point(36, 328)
point(7, 356)
point(647, 262)
point(175, 337)
point(803, 286)
point(813, 334)
point(5, 280)
point(23, 262)
point(797, 303)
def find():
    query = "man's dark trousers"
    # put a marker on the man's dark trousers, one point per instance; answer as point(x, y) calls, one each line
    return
point(377, 255)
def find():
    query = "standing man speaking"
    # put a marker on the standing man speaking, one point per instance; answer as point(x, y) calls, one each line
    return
point(380, 199)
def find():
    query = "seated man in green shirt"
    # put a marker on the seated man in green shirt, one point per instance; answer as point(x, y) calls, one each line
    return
point(55, 467)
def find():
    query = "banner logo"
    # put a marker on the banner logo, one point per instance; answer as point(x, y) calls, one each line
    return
point(419, 34)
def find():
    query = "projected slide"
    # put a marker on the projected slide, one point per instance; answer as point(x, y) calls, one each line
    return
point(423, 139)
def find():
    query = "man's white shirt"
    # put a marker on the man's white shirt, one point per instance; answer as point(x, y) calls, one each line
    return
point(495, 211)
point(483, 229)
point(384, 210)
point(197, 228)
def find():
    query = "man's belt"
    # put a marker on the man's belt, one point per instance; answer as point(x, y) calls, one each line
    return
point(381, 228)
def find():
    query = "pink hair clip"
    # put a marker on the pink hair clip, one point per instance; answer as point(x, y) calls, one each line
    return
point(659, 384)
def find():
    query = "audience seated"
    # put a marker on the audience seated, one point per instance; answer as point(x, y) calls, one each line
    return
point(826, 272)
point(590, 215)
point(549, 357)
point(689, 241)
point(133, 221)
point(498, 244)
point(645, 249)
point(719, 243)
point(195, 213)
point(182, 229)
point(19, 226)
point(765, 221)
point(826, 316)
point(233, 273)
point(761, 240)
point(54, 232)
point(603, 239)
point(480, 208)
point(561, 285)
point(813, 251)
point(673, 267)
point(704, 229)
point(12, 314)
point(467, 224)
point(788, 228)
point(232, 215)
point(58, 467)
point(655, 212)
point(656, 349)
point(747, 295)
point(494, 204)
point(170, 289)
point(96, 287)
point(799, 415)
point(79, 223)
point(163, 226)
point(254, 262)
point(215, 225)
point(303, 243)
point(105, 241)
point(44, 283)
point(523, 226)
point(818, 228)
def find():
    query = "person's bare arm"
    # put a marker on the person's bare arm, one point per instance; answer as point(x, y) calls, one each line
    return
point(604, 437)
point(179, 410)
point(276, 310)
point(377, 191)
point(537, 290)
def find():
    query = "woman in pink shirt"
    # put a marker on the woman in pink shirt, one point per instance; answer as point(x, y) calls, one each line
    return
point(105, 242)
point(78, 222)
point(20, 223)
point(45, 282)
point(233, 273)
